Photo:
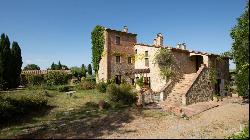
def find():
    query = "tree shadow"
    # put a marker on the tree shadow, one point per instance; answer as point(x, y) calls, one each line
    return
point(24, 118)
point(84, 123)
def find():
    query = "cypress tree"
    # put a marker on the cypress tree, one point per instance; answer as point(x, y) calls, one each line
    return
point(89, 69)
point(16, 65)
point(2, 42)
point(59, 65)
point(53, 66)
point(83, 70)
point(5, 62)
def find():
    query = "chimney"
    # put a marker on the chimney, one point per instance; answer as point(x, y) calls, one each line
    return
point(158, 41)
point(181, 46)
point(155, 41)
point(125, 29)
point(178, 46)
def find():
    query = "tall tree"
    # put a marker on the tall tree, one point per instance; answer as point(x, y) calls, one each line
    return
point(52, 67)
point(89, 69)
point(59, 65)
point(240, 52)
point(5, 62)
point(83, 70)
point(31, 67)
point(16, 65)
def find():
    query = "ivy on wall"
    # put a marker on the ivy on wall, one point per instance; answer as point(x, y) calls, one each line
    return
point(165, 60)
point(97, 36)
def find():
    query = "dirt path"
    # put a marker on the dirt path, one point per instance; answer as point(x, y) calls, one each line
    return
point(218, 122)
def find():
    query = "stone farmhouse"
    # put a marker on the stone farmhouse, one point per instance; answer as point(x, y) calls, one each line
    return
point(124, 59)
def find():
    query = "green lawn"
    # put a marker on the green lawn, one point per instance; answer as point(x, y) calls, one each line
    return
point(61, 106)
point(68, 115)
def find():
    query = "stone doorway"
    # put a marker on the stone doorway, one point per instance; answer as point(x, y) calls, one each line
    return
point(198, 62)
point(218, 87)
point(118, 79)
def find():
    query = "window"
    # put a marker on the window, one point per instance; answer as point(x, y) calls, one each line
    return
point(136, 51)
point(146, 53)
point(146, 62)
point(118, 59)
point(129, 60)
point(133, 81)
point(117, 40)
point(118, 79)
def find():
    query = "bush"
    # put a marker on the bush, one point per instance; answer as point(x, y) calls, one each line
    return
point(13, 107)
point(103, 104)
point(23, 80)
point(90, 79)
point(241, 135)
point(86, 85)
point(121, 94)
point(57, 78)
point(32, 80)
point(102, 87)
point(63, 88)
point(91, 105)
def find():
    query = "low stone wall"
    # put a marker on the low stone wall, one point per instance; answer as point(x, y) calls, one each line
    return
point(43, 71)
point(201, 90)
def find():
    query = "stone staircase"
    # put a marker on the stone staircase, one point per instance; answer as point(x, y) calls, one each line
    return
point(173, 102)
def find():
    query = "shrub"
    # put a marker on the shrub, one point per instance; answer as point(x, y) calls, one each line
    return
point(57, 78)
point(32, 80)
point(241, 135)
point(13, 107)
point(103, 104)
point(86, 85)
point(121, 94)
point(63, 88)
point(91, 105)
point(90, 79)
point(23, 80)
point(74, 81)
point(102, 87)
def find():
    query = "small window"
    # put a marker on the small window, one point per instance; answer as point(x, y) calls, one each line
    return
point(118, 59)
point(146, 62)
point(146, 53)
point(133, 81)
point(129, 60)
point(136, 51)
point(117, 40)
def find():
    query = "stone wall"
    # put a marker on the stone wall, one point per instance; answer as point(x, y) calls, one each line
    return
point(125, 49)
point(108, 67)
point(201, 90)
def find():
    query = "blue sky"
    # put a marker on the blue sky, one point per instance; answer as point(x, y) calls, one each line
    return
point(53, 30)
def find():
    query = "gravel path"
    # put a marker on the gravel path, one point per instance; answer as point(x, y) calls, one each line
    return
point(218, 122)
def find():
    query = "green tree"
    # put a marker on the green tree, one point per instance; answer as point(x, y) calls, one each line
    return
point(83, 71)
point(53, 66)
point(16, 65)
point(31, 67)
point(97, 36)
point(5, 62)
point(59, 65)
point(89, 69)
point(240, 52)
point(76, 72)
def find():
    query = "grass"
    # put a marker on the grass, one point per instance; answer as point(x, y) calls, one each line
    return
point(67, 110)
point(62, 104)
